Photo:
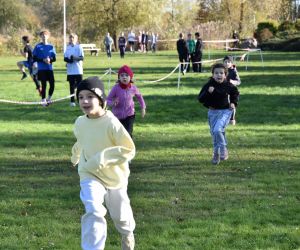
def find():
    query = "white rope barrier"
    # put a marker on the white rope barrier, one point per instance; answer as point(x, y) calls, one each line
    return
point(110, 71)
point(163, 78)
point(35, 103)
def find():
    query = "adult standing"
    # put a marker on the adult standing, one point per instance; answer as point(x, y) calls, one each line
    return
point(131, 40)
point(122, 44)
point(182, 52)
point(154, 38)
point(44, 54)
point(235, 36)
point(73, 56)
point(108, 42)
point(197, 65)
point(191, 49)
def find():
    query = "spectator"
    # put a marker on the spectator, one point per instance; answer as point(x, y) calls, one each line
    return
point(197, 65)
point(108, 42)
point(182, 53)
point(131, 40)
point(122, 45)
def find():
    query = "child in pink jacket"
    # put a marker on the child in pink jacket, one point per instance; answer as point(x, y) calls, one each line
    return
point(121, 96)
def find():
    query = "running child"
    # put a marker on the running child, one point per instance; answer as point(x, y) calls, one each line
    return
point(102, 152)
point(29, 63)
point(73, 57)
point(44, 54)
point(121, 96)
point(220, 97)
point(232, 77)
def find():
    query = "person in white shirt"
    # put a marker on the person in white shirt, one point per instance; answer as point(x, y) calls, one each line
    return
point(73, 56)
point(131, 40)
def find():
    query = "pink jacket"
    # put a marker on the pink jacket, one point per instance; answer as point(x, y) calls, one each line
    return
point(121, 100)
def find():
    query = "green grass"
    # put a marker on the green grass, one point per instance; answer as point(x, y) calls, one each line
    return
point(180, 200)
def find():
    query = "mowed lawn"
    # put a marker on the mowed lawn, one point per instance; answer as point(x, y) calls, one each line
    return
point(180, 200)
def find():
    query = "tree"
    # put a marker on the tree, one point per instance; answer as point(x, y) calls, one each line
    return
point(96, 17)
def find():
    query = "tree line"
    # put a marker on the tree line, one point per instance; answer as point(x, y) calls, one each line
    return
point(92, 19)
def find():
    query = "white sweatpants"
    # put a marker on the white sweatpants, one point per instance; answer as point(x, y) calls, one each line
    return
point(93, 224)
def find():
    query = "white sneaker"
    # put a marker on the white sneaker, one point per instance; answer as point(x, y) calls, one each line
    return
point(44, 103)
point(72, 104)
point(49, 101)
point(128, 242)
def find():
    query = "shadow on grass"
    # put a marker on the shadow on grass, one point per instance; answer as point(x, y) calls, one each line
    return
point(253, 109)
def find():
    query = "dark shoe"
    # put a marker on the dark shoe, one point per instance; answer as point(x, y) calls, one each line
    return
point(224, 154)
point(216, 158)
point(24, 76)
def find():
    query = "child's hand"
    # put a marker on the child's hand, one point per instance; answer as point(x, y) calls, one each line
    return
point(143, 112)
point(232, 106)
point(47, 60)
point(211, 89)
point(116, 101)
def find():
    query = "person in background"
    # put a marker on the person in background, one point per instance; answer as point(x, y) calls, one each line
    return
point(191, 50)
point(108, 43)
point(131, 40)
point(235, 36)
point(29, 63)
point(154, 39)
point(102, 152)
point(122, 44)
point(197, 65)
point(73, 56)
point(44, 54)
point(232, 77)
point(182, 53)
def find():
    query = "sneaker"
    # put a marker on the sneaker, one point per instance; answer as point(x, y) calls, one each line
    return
point(72, 104)
point(128, 242)
point(232, 122)
point(49, 101)
point(224, 154)
point(44, 103)
point(24, 76)
point(216, 158)
point(183, 72)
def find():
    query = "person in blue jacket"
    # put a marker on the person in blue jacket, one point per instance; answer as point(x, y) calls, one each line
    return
point(44, 54)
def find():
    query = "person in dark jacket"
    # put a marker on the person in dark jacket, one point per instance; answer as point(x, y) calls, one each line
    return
point(232, 77)
point(220, 97)
point(182, 52)
point(122, 44)
point(197, 65)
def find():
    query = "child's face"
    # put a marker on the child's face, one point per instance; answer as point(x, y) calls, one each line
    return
point(89, 104)
point(227, 64)
point(124, 78)
point(219, 75)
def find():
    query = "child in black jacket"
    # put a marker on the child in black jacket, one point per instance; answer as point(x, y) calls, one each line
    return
point(220, 97)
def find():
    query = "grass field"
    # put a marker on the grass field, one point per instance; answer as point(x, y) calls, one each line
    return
point(180, 200)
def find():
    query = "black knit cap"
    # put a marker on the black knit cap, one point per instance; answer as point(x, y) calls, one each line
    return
point(95, 85)
point(229, 58)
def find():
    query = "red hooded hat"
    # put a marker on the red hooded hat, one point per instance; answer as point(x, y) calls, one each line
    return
point(126, 69)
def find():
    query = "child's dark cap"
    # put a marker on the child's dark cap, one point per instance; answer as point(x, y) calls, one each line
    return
point(229, 58)
point(95, 85)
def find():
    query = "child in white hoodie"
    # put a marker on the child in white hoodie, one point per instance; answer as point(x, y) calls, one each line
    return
point(102, 152)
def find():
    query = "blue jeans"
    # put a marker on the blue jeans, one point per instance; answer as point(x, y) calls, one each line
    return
point(218, 120)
